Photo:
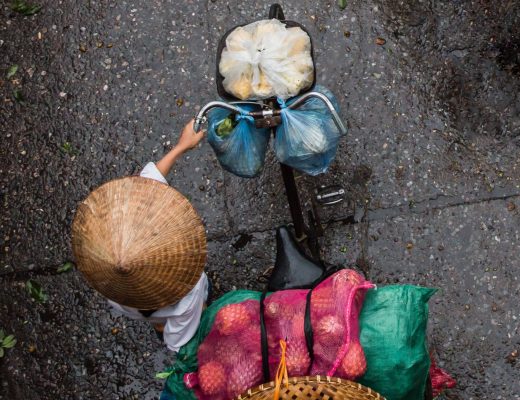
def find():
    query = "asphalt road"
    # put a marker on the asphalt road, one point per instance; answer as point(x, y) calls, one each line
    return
point(430, 164)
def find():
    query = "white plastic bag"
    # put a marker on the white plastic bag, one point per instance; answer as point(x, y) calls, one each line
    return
point(266, 59)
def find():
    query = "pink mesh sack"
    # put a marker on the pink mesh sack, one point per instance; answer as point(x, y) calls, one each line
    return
point(334, 314)
point(230, 358)
point(336, 326)
point(284, 315)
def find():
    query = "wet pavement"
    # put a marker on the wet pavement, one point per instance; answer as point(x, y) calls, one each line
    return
point(430, 165)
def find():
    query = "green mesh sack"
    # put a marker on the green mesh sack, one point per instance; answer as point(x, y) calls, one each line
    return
point(393, 335)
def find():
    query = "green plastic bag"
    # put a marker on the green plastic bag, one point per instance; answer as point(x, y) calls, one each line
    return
point(393, 335)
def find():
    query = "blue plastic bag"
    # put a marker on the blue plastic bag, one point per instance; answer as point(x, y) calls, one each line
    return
point(242, 152)
point(307, 139)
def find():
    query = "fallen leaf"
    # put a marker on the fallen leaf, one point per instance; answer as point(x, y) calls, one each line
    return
point(65, 267)
point(342, 4)
point(9, 342)
point(511, 206)
point(179, 102)
point(67, 148)
point(20, 6)
point(346, 34)
point(36, 291)
point(380, 41)
point(163, 375)
point(82, 48)
point(409, 246)
point(18, 96)
point(12, 71)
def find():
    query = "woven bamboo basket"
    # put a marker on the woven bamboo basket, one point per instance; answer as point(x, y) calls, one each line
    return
point(312, 388)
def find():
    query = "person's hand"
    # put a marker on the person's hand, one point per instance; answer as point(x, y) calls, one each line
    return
point(189, 138)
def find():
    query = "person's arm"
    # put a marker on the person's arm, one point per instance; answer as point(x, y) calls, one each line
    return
point(188, 140)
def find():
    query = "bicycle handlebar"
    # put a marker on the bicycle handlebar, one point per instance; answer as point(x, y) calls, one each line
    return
point(201, 116)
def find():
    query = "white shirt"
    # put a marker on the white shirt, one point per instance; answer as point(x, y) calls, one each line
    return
point(181, 319)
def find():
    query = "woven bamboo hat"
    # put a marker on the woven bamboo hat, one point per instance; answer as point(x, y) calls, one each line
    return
point(312, 388)
point(139, 242)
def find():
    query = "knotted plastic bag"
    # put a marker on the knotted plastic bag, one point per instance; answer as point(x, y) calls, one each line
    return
point(266, 59)
point(241, 150)
point(307, 139)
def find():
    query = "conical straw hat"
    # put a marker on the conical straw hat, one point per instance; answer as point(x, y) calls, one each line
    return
point(139, 243)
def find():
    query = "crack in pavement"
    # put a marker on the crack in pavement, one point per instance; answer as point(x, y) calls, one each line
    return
point(439, 202)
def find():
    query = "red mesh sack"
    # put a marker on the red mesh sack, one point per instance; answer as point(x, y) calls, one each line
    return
point(230, 358)
point(335, 306)
point(284, 315)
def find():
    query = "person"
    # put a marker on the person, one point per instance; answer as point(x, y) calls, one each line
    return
point(165, 257)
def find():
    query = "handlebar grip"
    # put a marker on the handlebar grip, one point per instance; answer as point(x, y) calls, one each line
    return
point(201, 116)
point(197, 125)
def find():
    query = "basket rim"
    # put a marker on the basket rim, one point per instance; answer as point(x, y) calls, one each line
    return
point(308, 379)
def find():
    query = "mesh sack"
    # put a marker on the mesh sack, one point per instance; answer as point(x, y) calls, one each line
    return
point(335, 306)
point(307, 139)
point(242, 151)
point(440, 379)
point(284, 315)
point(230, 357)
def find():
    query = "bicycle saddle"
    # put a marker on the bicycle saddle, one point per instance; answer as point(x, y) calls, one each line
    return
point(293, 269)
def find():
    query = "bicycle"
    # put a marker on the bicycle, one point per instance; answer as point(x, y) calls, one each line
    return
point(268, 115)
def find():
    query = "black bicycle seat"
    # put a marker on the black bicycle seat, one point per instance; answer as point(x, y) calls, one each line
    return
point(293, 269)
